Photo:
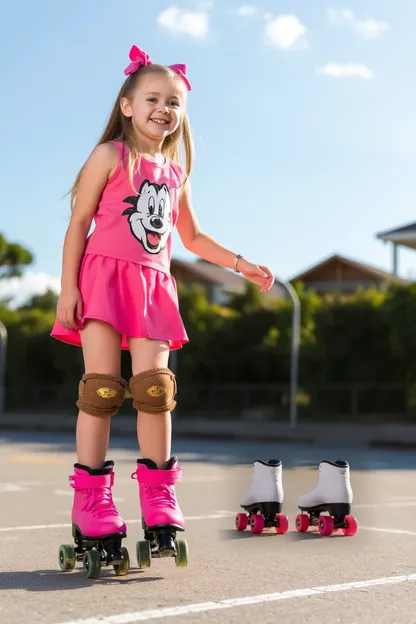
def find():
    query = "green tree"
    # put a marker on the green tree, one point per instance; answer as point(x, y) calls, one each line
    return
point(45, 302)
point(13, 258)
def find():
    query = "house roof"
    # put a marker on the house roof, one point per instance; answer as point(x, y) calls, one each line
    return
point(219, 276)
point(404, 235)
point(372, 271)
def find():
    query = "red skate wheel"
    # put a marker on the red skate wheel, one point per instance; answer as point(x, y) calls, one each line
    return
point(351, 526)
point(257, 524)
point(326, 525)
point(241, 522)
point(302, 523)
point(282, 524)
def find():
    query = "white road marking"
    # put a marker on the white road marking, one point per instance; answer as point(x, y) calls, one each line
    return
point(71, 493)
point(232, 603)
point(11, 487)
point(366, 506)
point(382, 530)
point(38, 527)
point(402, 504)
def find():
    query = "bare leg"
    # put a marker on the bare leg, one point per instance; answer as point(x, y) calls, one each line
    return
point(101, 346)
point(153, 430)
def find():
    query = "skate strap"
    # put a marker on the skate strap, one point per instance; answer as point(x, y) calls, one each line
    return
point(90, 482)
point(154, 477)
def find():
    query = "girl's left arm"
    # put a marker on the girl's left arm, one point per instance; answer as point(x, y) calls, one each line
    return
point(207, 248)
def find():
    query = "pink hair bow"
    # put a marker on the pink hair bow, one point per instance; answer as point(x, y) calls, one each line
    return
point(139, 59)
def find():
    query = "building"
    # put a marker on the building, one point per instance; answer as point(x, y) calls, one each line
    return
point(219, 283)
point(338, 274)
point(402, 236)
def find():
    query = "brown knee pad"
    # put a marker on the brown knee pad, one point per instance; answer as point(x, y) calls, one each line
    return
point(154, 390)
point(101, 395)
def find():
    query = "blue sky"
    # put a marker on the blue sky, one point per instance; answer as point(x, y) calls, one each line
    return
point(302, 113)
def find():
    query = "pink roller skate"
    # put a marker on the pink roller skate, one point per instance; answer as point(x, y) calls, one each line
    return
point(161, 515)
point(97, 528)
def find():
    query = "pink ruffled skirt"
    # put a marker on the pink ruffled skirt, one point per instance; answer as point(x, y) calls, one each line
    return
point(136, 300)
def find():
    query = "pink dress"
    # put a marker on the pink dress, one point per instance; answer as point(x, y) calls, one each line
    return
point(124, 276)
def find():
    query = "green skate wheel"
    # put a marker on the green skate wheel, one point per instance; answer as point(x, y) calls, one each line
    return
point(144, 554)
point(181, 558)
point(92, 563)
point(66, 557)
point(121, 569)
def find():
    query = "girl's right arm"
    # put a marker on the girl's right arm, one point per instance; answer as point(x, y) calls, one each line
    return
point(95, 174)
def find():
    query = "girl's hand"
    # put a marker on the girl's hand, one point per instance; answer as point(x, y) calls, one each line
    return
point(69, 308)
point(257, 274)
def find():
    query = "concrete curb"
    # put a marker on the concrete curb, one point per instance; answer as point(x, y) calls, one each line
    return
point(400, 436)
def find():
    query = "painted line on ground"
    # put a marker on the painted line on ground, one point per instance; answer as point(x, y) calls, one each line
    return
point(218, 515)
point(232, 603)
point(70, 493)
point(36, 459)
point(382, 530)
point(11, 487)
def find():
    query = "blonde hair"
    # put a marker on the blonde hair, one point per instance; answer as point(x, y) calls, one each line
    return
point(119, 128)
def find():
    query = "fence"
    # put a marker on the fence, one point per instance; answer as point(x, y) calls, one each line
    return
point(390, 402)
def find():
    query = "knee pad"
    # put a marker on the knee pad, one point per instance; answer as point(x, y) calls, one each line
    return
point(101, 395)
point(154, 390)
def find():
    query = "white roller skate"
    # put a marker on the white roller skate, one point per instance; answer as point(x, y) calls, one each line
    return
point(264, 500)
point(332, 494)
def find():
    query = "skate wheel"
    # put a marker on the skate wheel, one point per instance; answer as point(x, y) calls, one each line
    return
point(181, 557)
point(241, 522)
point(302, 523)
point(66, 558)
point(92, 563)
point(257, 524)
point(351, 526)
point(326, 526)
point(121, 569)
point(282, 524)
point(143, 554)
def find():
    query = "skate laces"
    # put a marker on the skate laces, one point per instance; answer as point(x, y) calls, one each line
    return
point(160, 495)
point(99, 502)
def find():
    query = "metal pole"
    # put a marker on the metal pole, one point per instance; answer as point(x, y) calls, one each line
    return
point(3, 347)
point(294, 359)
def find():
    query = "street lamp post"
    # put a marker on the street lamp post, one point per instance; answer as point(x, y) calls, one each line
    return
point(294, 358)
point(3, 348)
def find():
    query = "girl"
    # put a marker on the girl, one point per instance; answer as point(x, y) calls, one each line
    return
point(117, 291)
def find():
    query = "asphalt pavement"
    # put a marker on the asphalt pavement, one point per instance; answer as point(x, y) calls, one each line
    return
point(231, 576)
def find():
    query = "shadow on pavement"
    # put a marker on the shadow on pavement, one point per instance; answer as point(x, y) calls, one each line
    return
point(53, 580)
point(292, 536)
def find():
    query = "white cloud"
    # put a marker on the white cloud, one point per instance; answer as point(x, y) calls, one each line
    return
point(368, 28)
point(340, 16)
point(205, 6)
point(245, 10)
point(181, 22)
point(346, 70)
point(371, 29)
point(286, 31)
point(20, 289)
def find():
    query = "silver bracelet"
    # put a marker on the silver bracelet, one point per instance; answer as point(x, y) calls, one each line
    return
point(237, 258)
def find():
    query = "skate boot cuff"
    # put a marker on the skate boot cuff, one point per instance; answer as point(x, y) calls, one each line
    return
point(108, 466)
point(90, 482)
point(168, 477)
point(152, 466)
point(339, 463)
point(269, 462)
point(147, 462)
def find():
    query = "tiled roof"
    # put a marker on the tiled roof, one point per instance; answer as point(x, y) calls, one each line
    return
point(410, 228)
point(367, 268)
